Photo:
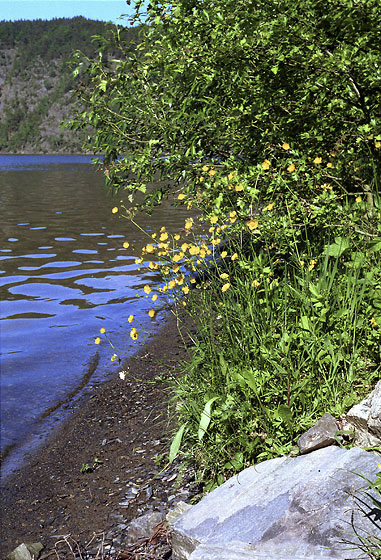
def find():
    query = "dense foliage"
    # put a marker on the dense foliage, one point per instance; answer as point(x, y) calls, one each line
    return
point(265, 117)
point(230, 81)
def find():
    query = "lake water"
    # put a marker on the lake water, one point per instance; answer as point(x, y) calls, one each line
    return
point(65, 274)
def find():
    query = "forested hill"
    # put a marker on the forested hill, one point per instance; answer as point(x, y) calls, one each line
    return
point(35, 82)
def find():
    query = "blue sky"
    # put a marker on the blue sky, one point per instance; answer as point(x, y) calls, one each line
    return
point(103, 10)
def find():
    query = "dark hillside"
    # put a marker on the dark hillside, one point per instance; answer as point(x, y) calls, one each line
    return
point(35, 81)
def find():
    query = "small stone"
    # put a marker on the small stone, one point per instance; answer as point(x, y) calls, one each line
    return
point(26, 552)
point(365, 418)
point(320, 435)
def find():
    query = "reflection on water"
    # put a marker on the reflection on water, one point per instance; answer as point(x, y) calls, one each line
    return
point(64, 275)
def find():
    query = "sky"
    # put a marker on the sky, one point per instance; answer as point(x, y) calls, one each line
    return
point(103, 10)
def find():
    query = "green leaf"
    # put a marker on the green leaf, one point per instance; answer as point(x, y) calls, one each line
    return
point(337, 249)
point(175, 445)
point(285, 413)
point(205, 418)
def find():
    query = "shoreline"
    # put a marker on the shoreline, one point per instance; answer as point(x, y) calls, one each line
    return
point(125, 425)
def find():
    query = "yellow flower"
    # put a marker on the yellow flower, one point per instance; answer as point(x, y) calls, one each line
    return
point(134, 334)
point(184, 303)
point(184, 247)
point(176, 258)
point(318, 160)
point(378, 144)
point(177, 237)
point(193, 280)
point(149, 248)
point(176, 268)
point(252, 224)
point(202, 253)
point(223, 254)
point(102, 330)
point(358, 199)
point(181, 196)
point(225, 287)
point(185, 289)
point(234, 257)
point(312, 264)
point(151, 313)
point(239, 188)
point(171, 284)
point(188, 224)
point(97, 340)
point(194, 250)
point(114, 357)
point(214, 219)
point(286, 146)
point(291, 168)
point(115, 210)
point(269, 207)
point(373, 322)
point(180, 279)
point(205, 168)
point(224, 276)
point(153, 265)
point(231, 176)
point(163, 289)
point(212, 172)
point(255, 283)
point(154, 235)
point(131, 318)
point(266, 164)
point(201, 179)
point(147, 289)
point(216, 241)
point(301, 263)
point(327, 187)
point(164, 236)
point(139, 261)
point(126, 245)
point(329, 164)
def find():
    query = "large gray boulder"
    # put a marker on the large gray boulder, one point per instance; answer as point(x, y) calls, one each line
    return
point(365, 418)
point(281, 509)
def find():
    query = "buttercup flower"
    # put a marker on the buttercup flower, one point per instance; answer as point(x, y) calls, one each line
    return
point(177, 237)
point(231, 176)
point(97, 340)
point(291, 168)
point(266, 164)
point(255, 283)
point(181, 196)
point(239, 188)
point(185, 289)
point(318, 160)
point(171, 284)
point(234, 257)
point(114, 357)
point(212, 172)
point(269, 207)
point(150, 248)
point(224, 276)
point(139, 260)
point(373, 322)
point(252, 224)
point(205, 168)
point(223, 254)
point(151, 313)
point(188, 224)
point(378, 144)
point(214, 219)
point(164, 236)
point(154, 297)
point(358, 199)
point(147, 289)
point(134, 334)
point(102, 330)
point(225, 287)
point(126, 245)
point(286, 146)
point(130, 318)
point(115, 210)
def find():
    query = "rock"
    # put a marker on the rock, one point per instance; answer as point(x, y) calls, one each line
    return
point(320, 435)
point(142, 526)
point(282, 509)
point(365, 418)
point(179, 509)
point(25, 551)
